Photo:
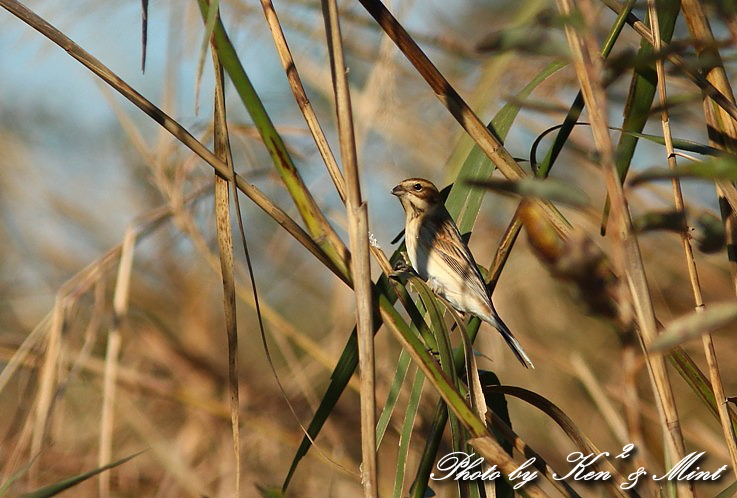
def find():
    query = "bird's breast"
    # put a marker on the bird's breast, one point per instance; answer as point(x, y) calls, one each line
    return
point(411, 240)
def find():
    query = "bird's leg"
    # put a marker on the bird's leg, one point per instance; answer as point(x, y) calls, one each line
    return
point(402, 269)
point(435, 286)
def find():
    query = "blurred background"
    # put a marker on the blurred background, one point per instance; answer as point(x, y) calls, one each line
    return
point(80, 166)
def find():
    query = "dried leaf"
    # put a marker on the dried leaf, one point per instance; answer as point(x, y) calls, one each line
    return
point(694, 325)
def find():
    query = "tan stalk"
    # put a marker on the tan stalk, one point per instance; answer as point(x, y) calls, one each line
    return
point(227, 267)
point(47, 381)
point(301, 97)
point(719, 120)
point(120, 310)
point(308, 112)
point(15, 457)
point(359, 240)
point(588, 66)
point(632, 402)
point(30, 343)
point(603, 403)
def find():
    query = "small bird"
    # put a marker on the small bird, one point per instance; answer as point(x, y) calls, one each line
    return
point(441, 258)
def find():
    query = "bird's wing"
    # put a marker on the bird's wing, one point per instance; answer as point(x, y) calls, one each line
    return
point(441, 233)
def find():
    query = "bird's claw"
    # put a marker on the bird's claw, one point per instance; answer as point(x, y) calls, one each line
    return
point(401, 269)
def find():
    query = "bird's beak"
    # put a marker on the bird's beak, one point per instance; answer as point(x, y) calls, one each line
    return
point(398, 190)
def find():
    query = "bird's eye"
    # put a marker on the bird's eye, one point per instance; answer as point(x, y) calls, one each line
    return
point(417, 187)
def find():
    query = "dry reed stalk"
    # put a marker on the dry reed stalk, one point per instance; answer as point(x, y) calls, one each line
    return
point(227, 266)
point(718, 120)
point(359, 241)
point(308, 112)
point(300, 96)
point(631, 365)
point(114, 340)
point(602, 402)
point(47, 382)
point(20, 355)
point(588, 66)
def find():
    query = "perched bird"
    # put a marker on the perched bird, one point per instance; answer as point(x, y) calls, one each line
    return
point(441, 258)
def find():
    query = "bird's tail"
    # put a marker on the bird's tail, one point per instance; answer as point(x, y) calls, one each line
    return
point(514, 345)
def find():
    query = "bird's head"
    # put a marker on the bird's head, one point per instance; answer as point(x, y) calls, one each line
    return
point(417, 195)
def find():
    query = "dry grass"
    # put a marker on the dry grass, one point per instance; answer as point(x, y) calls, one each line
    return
point(112, 330)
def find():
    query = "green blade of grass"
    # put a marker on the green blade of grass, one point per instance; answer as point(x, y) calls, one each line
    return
point(463, 201)
point(419, 488)
point(446, 359)
point(212, 15)
point(391, 398)
point(16, 475)
point(577, 107)
point(728, 492)
point(317, 224)
point(640, 97)
point(694, 377)
point(406, 433)
point(58, 487)
point(498, 405)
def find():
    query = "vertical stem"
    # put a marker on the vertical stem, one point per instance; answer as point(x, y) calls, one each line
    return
point(359, 243)
point(120, 309)
point(227, 265)
point(709, 352)
point(587, 63)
